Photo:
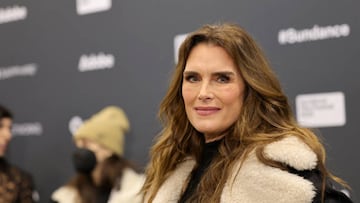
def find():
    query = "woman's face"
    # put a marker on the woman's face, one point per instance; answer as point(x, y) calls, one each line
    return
point(5, 134)
point(100, 152)
point(212, 89)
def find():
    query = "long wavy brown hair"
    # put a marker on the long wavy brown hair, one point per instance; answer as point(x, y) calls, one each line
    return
point(265, 117)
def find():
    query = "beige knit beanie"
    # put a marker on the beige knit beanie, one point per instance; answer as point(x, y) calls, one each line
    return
point(106, 127)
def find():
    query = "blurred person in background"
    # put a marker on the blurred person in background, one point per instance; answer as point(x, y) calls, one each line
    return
point(16, 185)
point(103, 174)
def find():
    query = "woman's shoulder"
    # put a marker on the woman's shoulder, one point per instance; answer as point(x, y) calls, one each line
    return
point(256, 181)
point(293, 152)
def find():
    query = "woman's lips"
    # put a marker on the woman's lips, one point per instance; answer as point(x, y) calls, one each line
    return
point(205, 111)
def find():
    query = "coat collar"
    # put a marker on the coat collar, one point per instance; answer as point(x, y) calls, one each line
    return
point(256, 182)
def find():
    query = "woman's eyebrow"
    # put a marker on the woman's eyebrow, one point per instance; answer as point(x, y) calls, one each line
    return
point(188, 72)
point(224, 73)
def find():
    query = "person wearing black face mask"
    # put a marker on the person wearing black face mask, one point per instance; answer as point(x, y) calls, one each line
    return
point(102, 174)
point(84, 160)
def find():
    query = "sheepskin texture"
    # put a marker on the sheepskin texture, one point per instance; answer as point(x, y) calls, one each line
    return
point(292, 152)
point(256, 182)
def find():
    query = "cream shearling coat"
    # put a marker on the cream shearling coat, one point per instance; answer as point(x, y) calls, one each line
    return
point(131, 184)
point(256, 182)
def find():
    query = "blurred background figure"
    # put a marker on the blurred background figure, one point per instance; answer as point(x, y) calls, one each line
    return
point(16, 185)
point(103, 175)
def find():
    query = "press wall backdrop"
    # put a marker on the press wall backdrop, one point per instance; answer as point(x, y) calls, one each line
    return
point(62, 61)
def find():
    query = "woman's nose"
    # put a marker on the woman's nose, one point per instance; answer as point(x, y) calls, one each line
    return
point(205, 92)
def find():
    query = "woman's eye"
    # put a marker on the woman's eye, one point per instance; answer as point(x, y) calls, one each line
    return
point(191, 78)
point(223, 79)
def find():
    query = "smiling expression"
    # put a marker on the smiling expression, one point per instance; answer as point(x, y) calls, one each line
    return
point(212, 89)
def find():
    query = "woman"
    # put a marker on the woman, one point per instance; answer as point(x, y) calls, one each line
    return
point(16, 185)
point(103, 174)
point(229, 135)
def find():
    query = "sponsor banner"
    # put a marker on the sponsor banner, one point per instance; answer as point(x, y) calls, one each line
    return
point(98, 61)
point(13, 13)
point(27, 70)
point(178, 40)
point(292, 36)
point(321, 109)
point(92, 6)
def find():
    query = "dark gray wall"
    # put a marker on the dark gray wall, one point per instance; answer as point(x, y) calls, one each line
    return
point(138, 35)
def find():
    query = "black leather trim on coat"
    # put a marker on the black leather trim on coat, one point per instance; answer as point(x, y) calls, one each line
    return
point(332, 195)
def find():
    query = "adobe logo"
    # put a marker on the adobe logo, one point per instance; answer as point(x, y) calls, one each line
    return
point(98, 61)
point(13, 13)
point(92, 6)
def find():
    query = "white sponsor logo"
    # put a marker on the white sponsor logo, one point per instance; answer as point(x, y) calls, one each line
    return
point(27, 129)
point(178, 40)
point(321, 110)
point(13, 13)
point(291, 35)
point(96, 62)
point(74, 124)
point(18, 71)
point(92, 6)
